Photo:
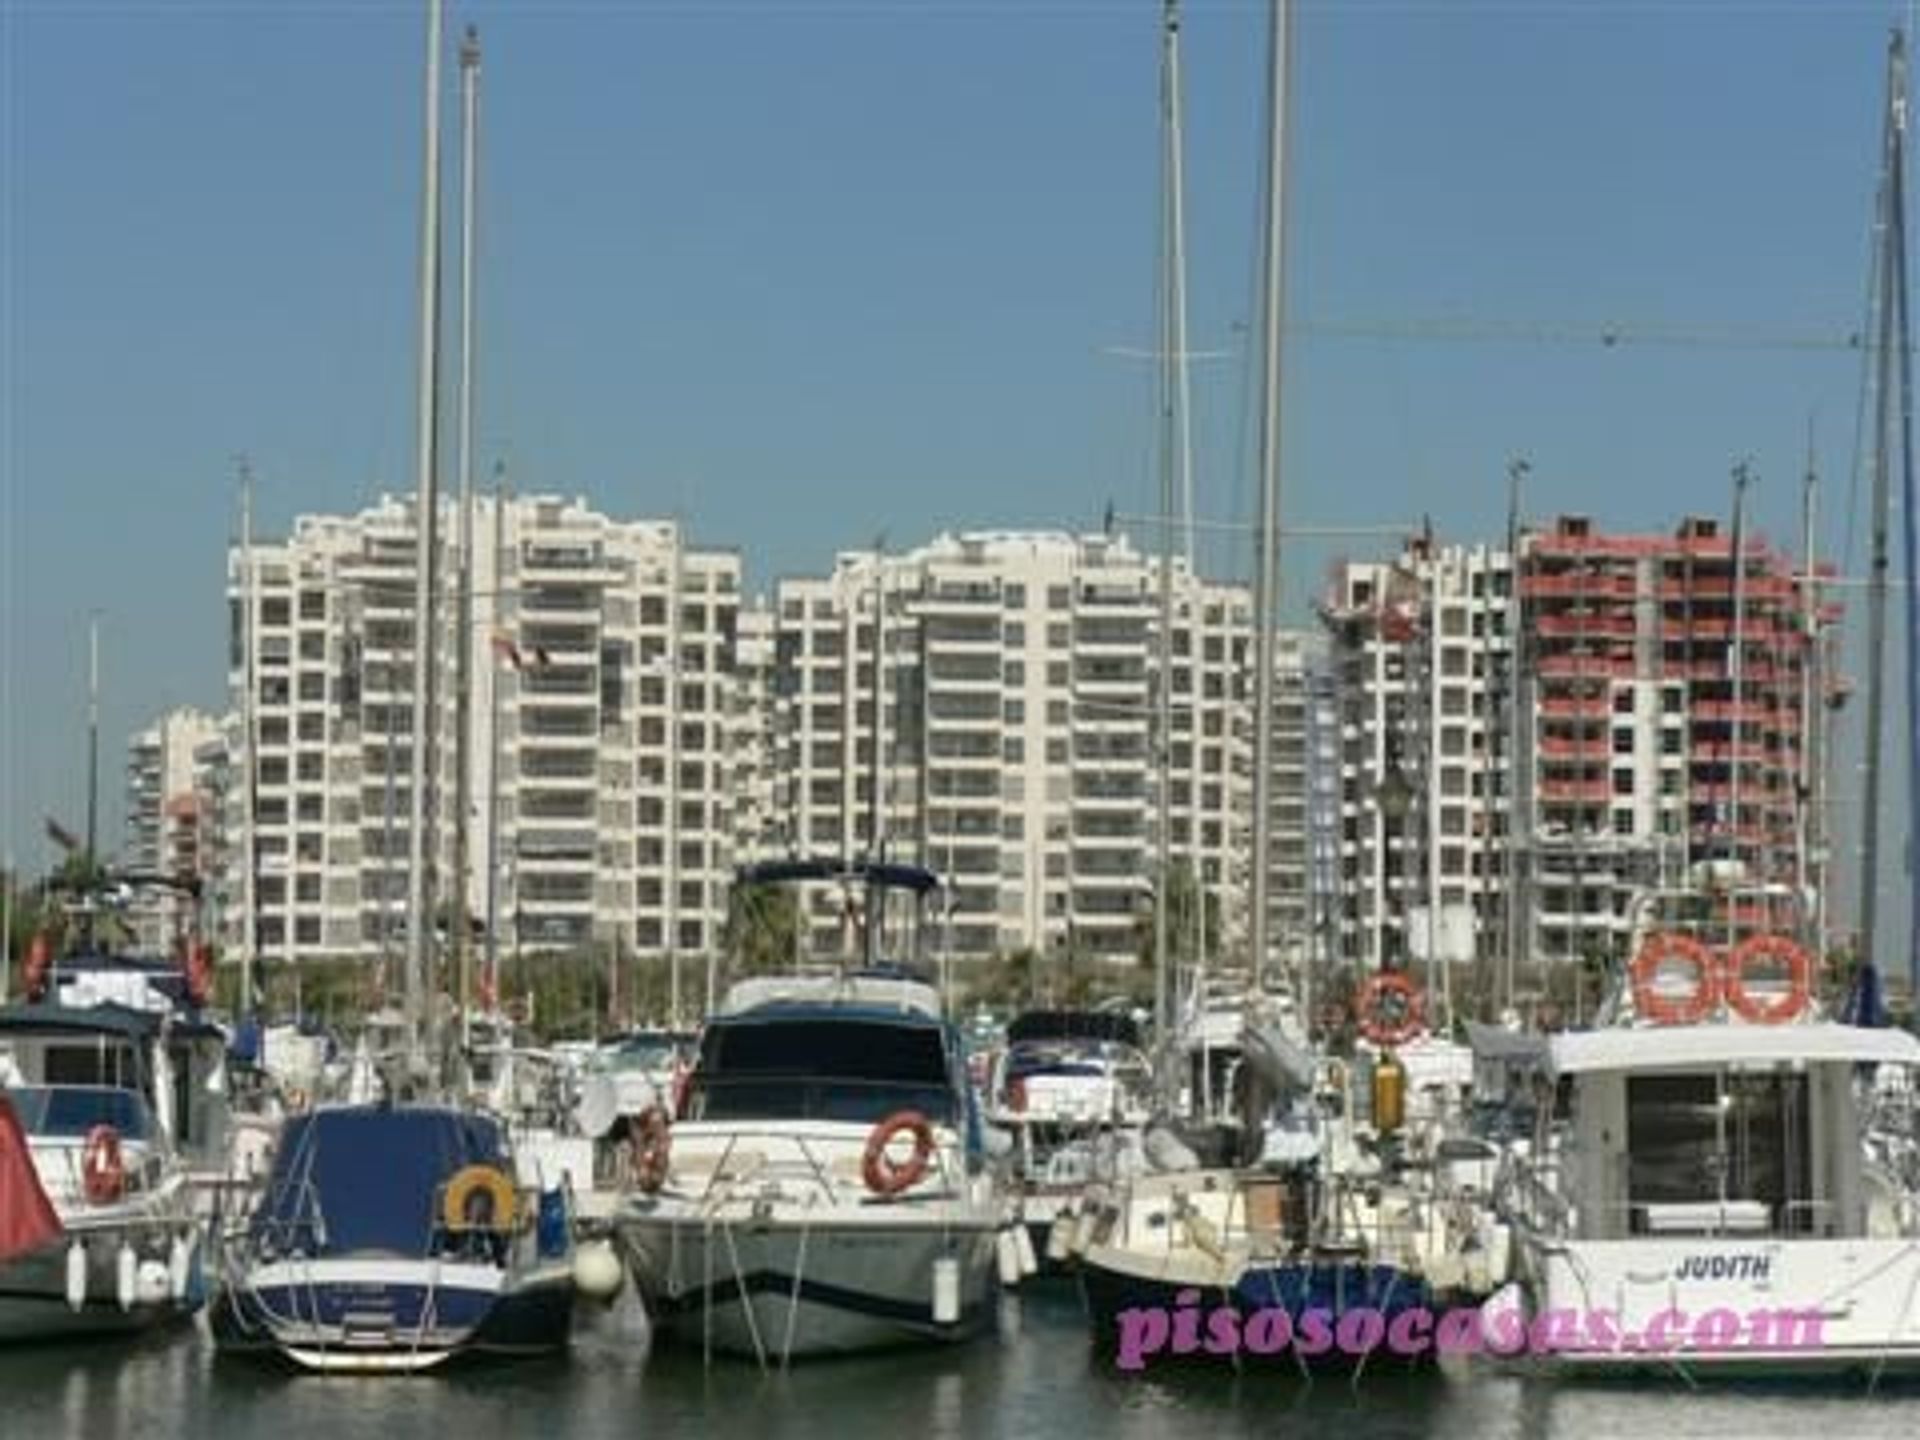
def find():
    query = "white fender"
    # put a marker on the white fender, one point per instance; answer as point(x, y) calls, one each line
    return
point(179, 1266)
point(597, 1272)
point(76, 1275)
point(946, 1290)
point(151, 1282)
point(1023, 1244)
point(128, 1276)
point(1059, 1237)
point(1008, 1254)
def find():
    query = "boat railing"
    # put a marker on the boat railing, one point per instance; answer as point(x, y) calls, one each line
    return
point(751, 1155)
point(1528, 1193)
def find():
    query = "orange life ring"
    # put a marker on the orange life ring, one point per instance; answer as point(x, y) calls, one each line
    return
point(878, 1169)
point(199, 973)
point(39, 962)
point(1661, 1009)
point(1779, 1009)
point(1372, 1005)
point(103, 1172)
point(654, 1150)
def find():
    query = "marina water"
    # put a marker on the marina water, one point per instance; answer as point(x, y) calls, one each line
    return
point(1036, 1378)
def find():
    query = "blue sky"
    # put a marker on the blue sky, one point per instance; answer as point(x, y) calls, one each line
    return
point(801, 272)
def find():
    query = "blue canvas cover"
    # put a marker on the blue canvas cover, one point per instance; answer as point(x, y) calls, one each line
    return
point(367, 1179)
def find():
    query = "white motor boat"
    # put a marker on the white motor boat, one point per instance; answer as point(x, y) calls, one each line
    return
point(1704, 1190)
point(1075, 1091)
point(101, 1226)
point(825, 1188)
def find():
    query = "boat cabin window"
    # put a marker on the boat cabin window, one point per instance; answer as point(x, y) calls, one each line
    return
point(68, 1112)
point(1719, 1153)
point(89, 1064)
point(822, 1070)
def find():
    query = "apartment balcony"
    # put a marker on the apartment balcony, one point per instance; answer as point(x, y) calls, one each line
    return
point(1585, 667)
point(1588, 791)
point(1610, 624)
point(572, 601)
point(1558, 749)
point(1577, 583)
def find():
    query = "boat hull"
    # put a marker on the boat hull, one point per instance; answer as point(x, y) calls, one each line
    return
point(1780, 1308)
point(773, 1289)
point(379, 1316)
point(34, 1304)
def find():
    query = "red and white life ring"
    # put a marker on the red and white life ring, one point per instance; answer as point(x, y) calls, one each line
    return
point(1771, 1010)
point(885, 1176)
point(1374, 1006)
point(1664, 1009)
point(103, 1171)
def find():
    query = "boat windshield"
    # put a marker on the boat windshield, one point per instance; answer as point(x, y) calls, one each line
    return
point(839, 1069)
point(63, 1112)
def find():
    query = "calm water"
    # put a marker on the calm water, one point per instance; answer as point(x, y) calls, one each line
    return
point(1038, 1378)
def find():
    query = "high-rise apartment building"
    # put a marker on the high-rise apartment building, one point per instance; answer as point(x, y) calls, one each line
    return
point(1519, 768)
point(1017, 720)
point(169, 819)
point(600, 659)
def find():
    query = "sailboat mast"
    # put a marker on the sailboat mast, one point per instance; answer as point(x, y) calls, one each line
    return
point(249, 744)
point(93, 738)
point(1807, 833)
point(1903, 356)
point(1736, 669)
point(1170, 344)
point(463, 645)
point(1519, 930)
point(426, 507)
point(1266, 580)
point(1891, 272)
point(498, 612)
point(876, 831)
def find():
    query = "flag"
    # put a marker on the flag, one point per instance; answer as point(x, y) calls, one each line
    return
point(61, 836)
point(27, 1218)
point(504, 647)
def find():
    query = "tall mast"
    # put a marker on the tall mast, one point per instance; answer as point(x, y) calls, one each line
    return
point(1911, 527)
point(1807, 833)
point(1266, 583)
point(1889, 282)
point(493, 736)
point(426, 507)
point(876, 825)
point(1736, 670)
point(1518, 930)
point(249, 743)
point(93, 740)
point(1171, 371)
point(463, 644)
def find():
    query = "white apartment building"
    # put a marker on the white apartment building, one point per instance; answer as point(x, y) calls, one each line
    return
point(168, 820)
point(600, 657)
point(1420, 652)
point(1018, 728)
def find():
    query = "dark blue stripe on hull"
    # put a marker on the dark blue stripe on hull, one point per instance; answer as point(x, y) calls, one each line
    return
point(667, 1308)
point(1336, 1288)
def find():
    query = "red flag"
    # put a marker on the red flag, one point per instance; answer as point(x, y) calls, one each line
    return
point(504, 647)
point(27, 1218)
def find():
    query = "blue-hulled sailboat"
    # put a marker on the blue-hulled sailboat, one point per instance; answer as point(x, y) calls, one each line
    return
point(394, 1240)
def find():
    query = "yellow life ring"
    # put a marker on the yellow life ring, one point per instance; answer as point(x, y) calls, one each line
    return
point(480, 1197)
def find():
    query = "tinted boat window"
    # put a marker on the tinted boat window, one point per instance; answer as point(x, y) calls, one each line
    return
point(829, 1069)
